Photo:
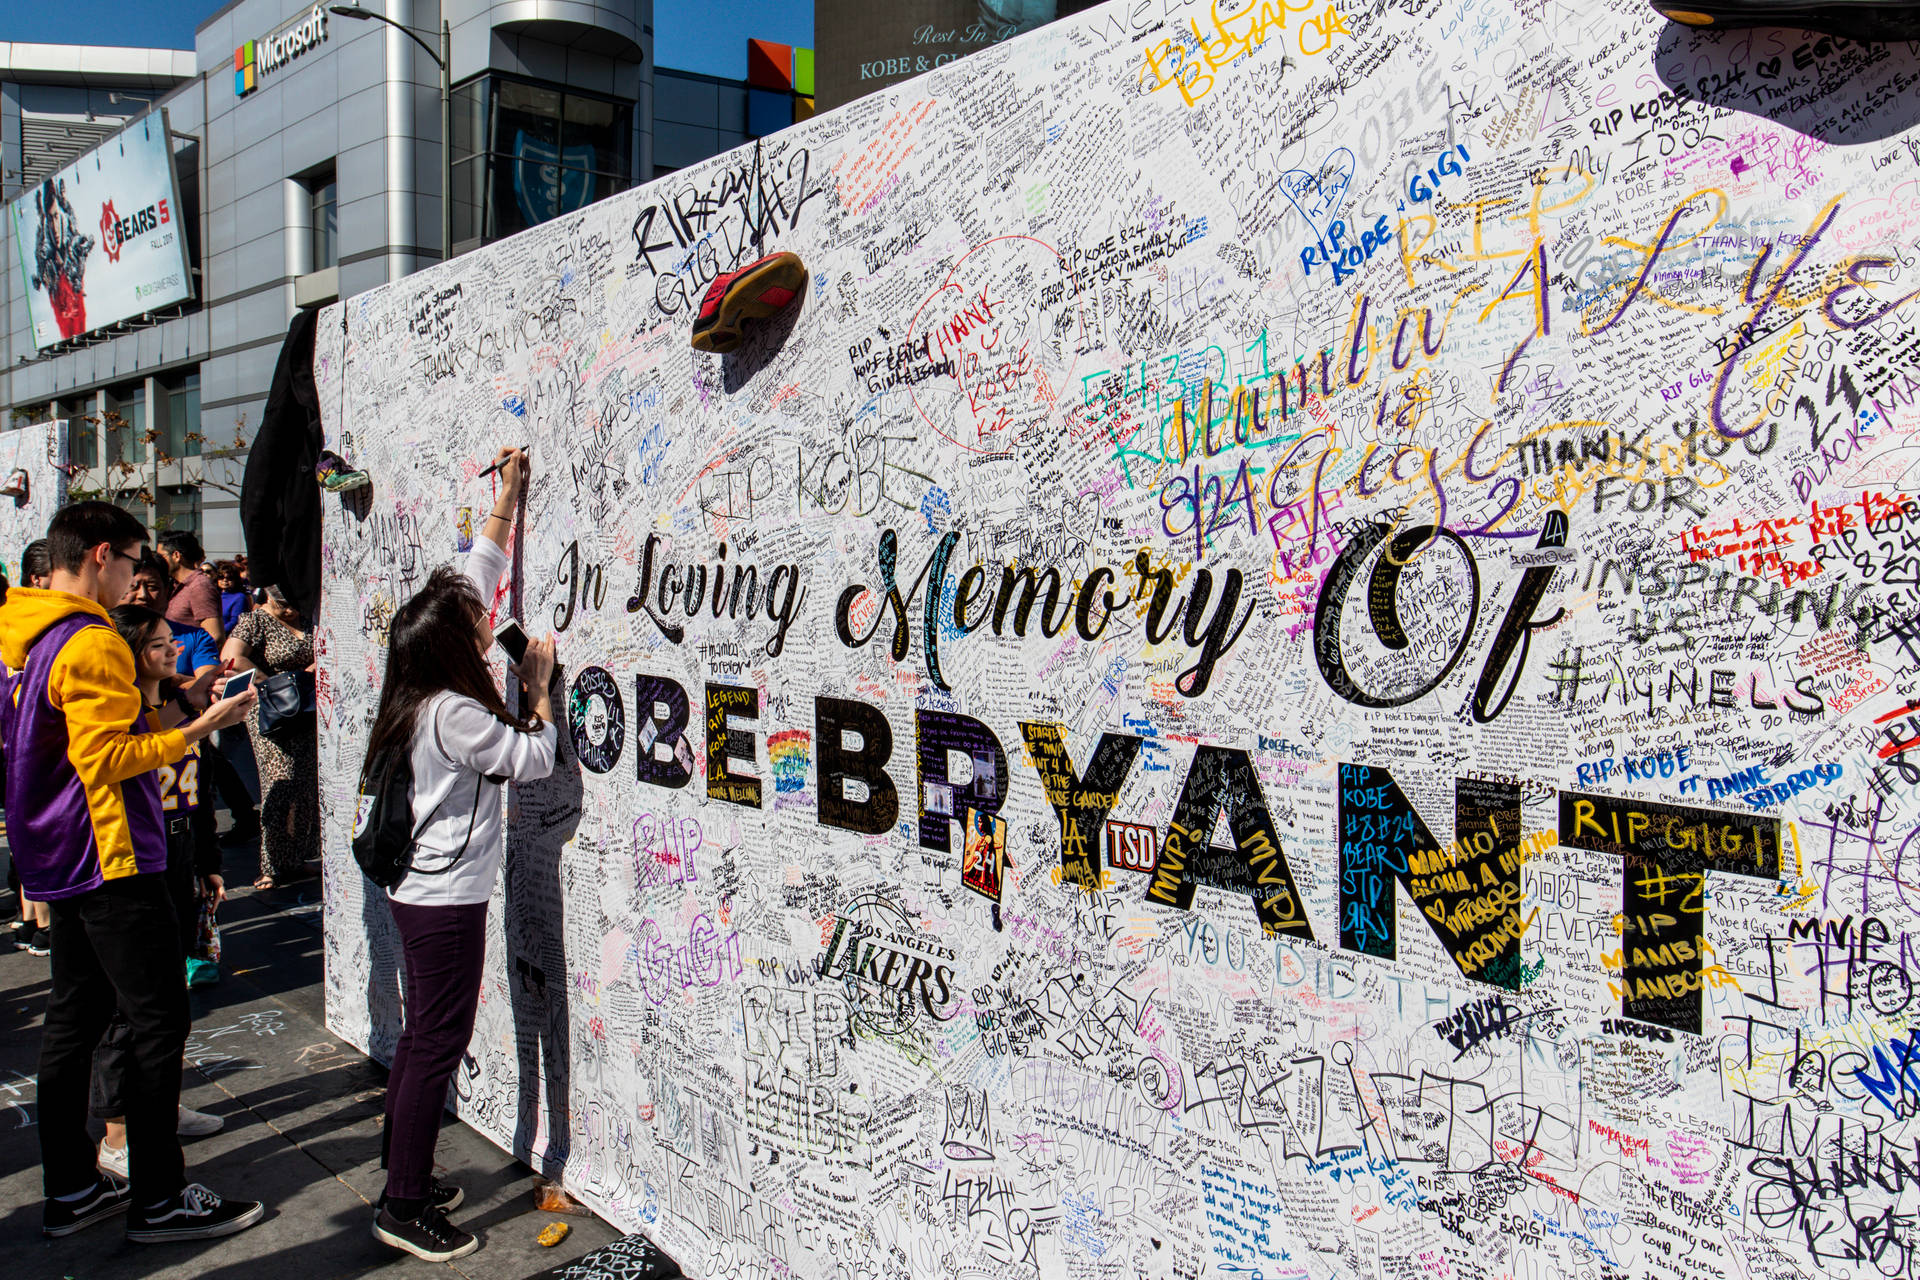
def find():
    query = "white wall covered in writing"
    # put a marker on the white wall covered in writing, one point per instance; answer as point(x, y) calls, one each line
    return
point(1450, 820)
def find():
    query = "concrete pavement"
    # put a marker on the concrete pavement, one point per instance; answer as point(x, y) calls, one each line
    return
point(303, 1116)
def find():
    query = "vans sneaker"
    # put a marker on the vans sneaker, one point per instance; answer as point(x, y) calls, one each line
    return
point(444, 1196)
point(194, 1213)
point(64, 1217)
point(113, 1160)
point(1862, 20)
point(755, 291)
point(430, 1236)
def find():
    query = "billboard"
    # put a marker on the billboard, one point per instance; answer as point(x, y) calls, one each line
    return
point(861, 47)
point(101, 240)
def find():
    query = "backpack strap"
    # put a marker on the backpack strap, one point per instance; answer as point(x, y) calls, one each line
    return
point(433, 726)
point(472, 817)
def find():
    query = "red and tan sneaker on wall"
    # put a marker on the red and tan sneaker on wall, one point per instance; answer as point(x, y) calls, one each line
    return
point(754, 292)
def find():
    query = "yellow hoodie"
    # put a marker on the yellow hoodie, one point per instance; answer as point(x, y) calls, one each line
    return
point(91, 684)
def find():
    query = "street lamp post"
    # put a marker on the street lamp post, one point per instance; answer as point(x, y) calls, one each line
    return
point(444, 59)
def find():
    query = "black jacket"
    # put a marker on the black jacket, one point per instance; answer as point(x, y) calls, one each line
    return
point(280, 497)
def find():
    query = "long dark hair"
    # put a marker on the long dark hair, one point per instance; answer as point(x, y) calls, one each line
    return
point(135, 623)
point(431, 650)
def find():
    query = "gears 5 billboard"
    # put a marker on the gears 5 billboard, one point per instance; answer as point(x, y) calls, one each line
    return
point(101, 240)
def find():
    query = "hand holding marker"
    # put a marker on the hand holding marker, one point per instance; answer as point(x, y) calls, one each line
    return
point(498, 463)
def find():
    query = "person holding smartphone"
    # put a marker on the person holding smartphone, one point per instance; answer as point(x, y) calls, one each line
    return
point(85, 818)
point(193, 858)
point(440, 702)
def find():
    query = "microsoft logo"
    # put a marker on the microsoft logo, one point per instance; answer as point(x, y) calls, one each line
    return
point(271, 52)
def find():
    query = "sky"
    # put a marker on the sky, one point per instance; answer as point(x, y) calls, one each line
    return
point(686, 38)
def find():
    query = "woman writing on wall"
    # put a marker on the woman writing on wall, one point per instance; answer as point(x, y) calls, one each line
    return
point(440, 699)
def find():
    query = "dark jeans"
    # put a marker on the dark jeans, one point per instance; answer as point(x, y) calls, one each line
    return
point(113, 1060)
point(117, 946)
point(236, 747)
point(445, 948)
point(227, 783)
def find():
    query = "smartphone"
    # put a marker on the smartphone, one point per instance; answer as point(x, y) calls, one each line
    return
point(238, 683)
point(512, 639)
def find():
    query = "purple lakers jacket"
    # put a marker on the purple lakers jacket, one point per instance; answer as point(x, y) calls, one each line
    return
point(82, 799)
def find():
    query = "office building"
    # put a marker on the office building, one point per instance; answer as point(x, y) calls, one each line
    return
point(293, 157)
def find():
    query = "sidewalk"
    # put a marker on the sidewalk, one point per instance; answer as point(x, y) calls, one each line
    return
point(303, 1112)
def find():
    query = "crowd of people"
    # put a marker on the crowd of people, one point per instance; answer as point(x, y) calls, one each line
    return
point(128, 673)
point(203, 603)
point(103, 741)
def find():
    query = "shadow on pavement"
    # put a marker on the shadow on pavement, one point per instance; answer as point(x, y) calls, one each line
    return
point(302, 1111)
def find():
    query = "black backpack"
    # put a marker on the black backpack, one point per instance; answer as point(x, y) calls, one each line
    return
point(383, 830)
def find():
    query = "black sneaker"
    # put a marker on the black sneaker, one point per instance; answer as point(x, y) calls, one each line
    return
point(194, 1213)
point(444, 1197)
point(1862, 20)
point(64, 1217)
point(39, 943)
point(429, 1237)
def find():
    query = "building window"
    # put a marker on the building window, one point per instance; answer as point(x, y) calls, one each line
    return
point(323, 220)
point(178, 508)
point(469, 162)
point(525, 153)
point(126, 425)
point(83, 437)
point(180, 438)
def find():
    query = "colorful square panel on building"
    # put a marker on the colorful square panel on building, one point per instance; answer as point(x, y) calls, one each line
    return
point(770, 65)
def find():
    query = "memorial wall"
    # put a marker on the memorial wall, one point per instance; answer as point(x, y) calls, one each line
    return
point(1299, 660)
point(33, 485)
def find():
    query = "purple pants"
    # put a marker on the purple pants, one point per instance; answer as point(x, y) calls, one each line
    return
point(445, 948)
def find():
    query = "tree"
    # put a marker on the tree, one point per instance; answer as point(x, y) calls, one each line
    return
point(139, 481)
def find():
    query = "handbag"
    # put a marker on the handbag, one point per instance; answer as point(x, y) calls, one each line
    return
point(286, 704)
point(203, 961)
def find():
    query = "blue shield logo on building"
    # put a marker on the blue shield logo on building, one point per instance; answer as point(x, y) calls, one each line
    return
point(548, 182)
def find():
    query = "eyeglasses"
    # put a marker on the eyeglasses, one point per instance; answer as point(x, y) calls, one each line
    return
point(124, 556)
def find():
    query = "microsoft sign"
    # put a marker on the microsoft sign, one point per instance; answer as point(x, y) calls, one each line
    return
point(257, 57)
